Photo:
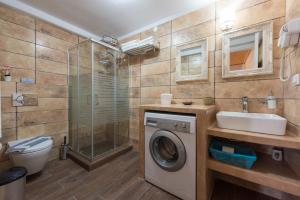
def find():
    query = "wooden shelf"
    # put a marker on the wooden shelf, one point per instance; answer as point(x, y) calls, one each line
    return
point(267, 172)
point(289, 140)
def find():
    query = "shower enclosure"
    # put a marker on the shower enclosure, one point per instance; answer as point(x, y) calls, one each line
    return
point(98, 101)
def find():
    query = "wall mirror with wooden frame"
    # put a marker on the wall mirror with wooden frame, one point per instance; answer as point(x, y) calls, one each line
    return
point(192, 61)
point(248, 52)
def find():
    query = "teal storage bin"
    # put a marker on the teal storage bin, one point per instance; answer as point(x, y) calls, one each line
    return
point(242, 157)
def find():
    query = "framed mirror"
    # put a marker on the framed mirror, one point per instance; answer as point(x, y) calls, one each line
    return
point(248, 52)
point(192, 61)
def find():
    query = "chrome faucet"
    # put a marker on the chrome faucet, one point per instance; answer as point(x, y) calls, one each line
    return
point(244, 102)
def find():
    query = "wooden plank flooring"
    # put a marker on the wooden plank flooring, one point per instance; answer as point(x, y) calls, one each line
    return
point(116, 180)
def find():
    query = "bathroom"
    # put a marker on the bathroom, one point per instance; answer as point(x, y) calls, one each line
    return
point(92, 81)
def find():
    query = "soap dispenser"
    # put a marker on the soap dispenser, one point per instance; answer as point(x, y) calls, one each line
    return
point(271, 101)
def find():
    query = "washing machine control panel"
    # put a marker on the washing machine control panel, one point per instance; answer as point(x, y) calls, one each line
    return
point(167, 124)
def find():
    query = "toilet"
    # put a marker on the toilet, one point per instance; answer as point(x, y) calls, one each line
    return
point(31, 153)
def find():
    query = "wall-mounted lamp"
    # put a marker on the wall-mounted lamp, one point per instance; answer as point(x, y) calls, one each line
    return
point(227, 18)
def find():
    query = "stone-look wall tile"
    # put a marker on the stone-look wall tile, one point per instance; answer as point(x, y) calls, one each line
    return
point(292, 9)
point(265, 11)
point(49, 29)
point(8, 134)
point(51, 54)
point(134, 92)
point(292, 110)
point(45, 78)
point(6, 105)
point(135, 81)
point(16, 31)
point(7, 88)
point(16, 17)
point(252, 89)
point(164, 41)
point(155, 68)
point(41, 117)
point(43, 91)
point(193, 91)
point(162, 55)
point(199, 16)
point(52, 42)
point(154, 92)
point(162, 29)
point(17, 74)
point(239, 5)
point(8, 120)
point(134, 103)
point(255, 105)
point(155, 80)
point(51, 66)
point(46, 129)
point(194, 33)
point(17, 46)
point(16, 60)
point(46, 104)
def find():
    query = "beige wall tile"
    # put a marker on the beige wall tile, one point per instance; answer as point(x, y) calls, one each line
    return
point(292, 110)
point(193, 91)
point(45, 104)
point(43, 91)
point(154, 92)
point(7, 88)
point(193, 18)
point(16, 31)
point(8, 134)
point(41, 117)
point(16, 17)
point(16, 60)
point(255, 105)
point(45, 78)
point(51, 66)
point(6, 105)
point(45, 129)
point(135, 81)
point(162, 29)
point(155, 80)
point(47, 28)
point(162, 55)
point(51, 54)
point(52, 42)
point(16, 46)
point(292, 9)
point(194, 33)
point(252, 89)
point(155, 68)
point(134, 92)
point(8, 120)
point(263, 12)
point(17, 74)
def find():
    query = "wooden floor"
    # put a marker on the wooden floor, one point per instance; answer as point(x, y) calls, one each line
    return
point(117, 179)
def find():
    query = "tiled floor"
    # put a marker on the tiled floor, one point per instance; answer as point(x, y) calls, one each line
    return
point(117, 179)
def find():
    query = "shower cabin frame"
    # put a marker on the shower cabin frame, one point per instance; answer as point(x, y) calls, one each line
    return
point(93, 161)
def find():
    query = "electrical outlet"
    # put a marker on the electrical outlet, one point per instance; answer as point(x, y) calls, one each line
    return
point(277, 154)
point(296, 80)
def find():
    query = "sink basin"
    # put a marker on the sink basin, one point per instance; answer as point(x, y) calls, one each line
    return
point(254, 122)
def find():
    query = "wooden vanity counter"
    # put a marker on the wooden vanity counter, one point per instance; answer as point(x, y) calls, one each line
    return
point(205, 118)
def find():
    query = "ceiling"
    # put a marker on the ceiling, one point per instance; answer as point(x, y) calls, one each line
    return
point(115, 17)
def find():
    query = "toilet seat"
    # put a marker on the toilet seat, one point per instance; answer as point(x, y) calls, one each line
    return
point(38, 147)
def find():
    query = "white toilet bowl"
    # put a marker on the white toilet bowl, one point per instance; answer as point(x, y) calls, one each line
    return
point(34, 158)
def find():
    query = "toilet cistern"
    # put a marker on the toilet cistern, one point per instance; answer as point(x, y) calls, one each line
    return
point(244, 102)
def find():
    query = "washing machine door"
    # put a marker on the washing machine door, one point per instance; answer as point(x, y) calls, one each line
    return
point(167, 150)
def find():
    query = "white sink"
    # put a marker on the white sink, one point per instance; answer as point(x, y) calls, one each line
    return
point(254, 122)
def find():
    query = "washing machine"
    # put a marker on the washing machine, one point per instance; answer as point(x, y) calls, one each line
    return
point(170, 153)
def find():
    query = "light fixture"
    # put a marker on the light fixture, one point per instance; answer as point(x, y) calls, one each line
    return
point(227, 18)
